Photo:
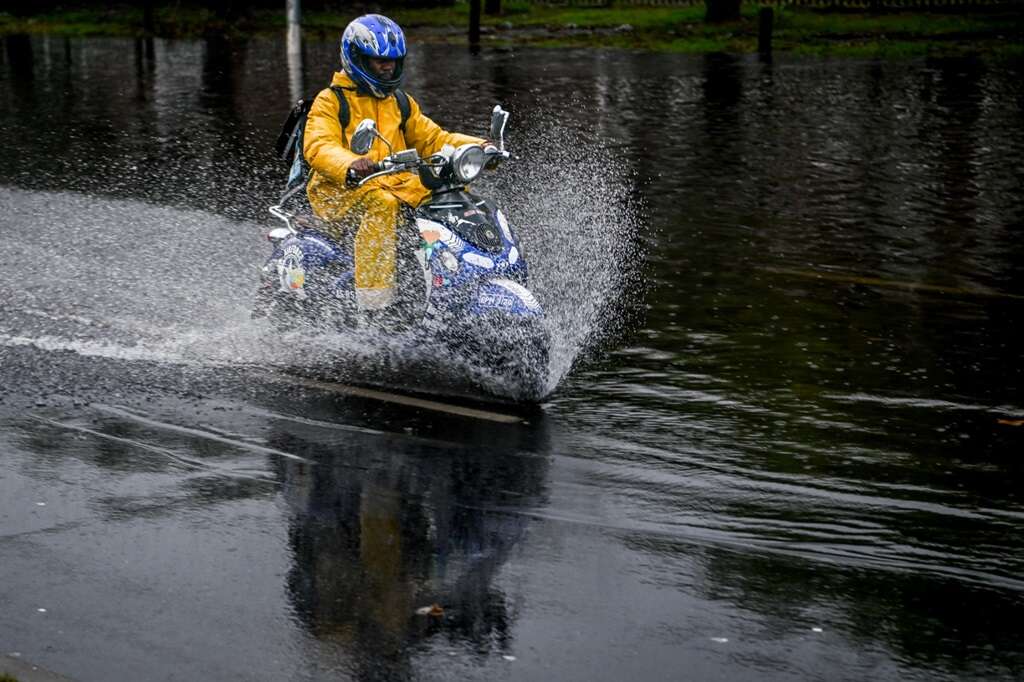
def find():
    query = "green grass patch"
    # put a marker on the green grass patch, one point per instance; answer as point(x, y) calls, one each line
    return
point(668, 29)
point(171, 22)
point(701, 46)
point(1009, 50)
point(4, 677)
point(866, 49)
point(82, 23)
point(916, 24)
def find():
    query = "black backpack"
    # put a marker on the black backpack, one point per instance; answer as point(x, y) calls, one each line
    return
point(289, 143)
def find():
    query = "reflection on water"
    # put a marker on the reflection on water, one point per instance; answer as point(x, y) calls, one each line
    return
point(380, 533)
point(803, 463)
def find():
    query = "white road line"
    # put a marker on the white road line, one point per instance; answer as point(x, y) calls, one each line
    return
point(198, 433)
point(188, 462)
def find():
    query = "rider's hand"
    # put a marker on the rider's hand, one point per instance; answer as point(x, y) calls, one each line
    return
point(362, 167)
point(494, 160)
point(359, 169)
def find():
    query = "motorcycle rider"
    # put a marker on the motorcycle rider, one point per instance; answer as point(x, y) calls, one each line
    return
point(372, 55)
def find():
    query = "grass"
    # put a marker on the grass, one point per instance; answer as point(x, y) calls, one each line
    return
point(4, 677)
point(114, 21)
point(666, 29)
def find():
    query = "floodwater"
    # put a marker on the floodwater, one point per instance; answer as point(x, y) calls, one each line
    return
point(784, 437)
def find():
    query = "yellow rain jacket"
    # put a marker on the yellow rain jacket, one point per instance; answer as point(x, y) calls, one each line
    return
point(376, 204)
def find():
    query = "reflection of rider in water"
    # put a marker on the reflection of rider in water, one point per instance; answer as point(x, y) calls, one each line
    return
point(382, 528)
point(372, 56)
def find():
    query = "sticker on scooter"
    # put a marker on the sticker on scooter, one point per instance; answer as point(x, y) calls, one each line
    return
point(489, 300)
point(291, 272)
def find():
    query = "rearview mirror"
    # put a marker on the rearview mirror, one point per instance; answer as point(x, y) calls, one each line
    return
point(362, 138)
point(499, 117)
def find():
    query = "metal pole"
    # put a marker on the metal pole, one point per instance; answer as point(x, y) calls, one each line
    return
point(294, 46)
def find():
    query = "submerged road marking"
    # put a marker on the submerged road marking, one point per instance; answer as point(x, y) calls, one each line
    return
point(188, 462)
point(892, 284)
point(399, 399)
point(198, 433)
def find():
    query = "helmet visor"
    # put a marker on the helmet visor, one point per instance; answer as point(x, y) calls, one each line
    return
point(376, 71)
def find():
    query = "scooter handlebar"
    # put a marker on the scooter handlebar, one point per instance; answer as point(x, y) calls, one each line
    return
point(409, 160)
point(382, 171)
point(401, 161)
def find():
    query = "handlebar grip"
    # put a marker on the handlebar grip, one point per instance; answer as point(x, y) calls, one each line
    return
point(354, 177)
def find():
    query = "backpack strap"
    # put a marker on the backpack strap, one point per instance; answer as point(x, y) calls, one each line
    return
point(404, 107)
point(344, 113)
point(343, 110)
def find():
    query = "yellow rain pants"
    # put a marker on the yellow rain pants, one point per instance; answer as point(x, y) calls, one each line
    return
point(374, 211)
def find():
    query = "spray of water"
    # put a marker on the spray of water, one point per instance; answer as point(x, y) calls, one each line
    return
point(570, 197)
point(129, 279)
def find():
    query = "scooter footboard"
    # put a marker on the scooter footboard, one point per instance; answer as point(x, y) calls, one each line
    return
point(506, 296)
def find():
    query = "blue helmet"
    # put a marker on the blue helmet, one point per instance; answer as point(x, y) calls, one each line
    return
point(372, 35)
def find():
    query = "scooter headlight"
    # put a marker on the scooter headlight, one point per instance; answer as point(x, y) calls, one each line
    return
point(468, 161)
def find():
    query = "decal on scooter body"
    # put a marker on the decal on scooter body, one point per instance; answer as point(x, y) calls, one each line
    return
point(301, 254)
point(466, 255)
point(506, 296)
point(290, 271)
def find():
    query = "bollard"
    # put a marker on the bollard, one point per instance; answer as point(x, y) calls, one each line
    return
point(765, 19)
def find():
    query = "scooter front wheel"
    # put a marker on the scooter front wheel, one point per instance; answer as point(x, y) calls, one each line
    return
point(514, 348)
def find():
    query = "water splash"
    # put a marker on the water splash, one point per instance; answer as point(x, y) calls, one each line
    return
point(96, 273)
point(569, 196)
point(131, 280)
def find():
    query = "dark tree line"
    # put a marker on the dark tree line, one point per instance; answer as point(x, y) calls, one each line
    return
point(19, 8)
point(717, 10)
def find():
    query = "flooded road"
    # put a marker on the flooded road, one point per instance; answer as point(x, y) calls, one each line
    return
point(785, 430)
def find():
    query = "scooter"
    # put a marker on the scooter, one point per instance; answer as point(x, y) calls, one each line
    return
point(461, 273)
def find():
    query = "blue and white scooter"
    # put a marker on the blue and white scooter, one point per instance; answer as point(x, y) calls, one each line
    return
point(462, 276)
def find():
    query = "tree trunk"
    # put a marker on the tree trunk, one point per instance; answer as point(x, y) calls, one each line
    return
point(765, 19)
point(722, 10)
point(474, 22)
point(148, 24)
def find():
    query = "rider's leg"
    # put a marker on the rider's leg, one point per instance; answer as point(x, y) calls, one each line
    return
point(375, 247)
point(375, 211)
